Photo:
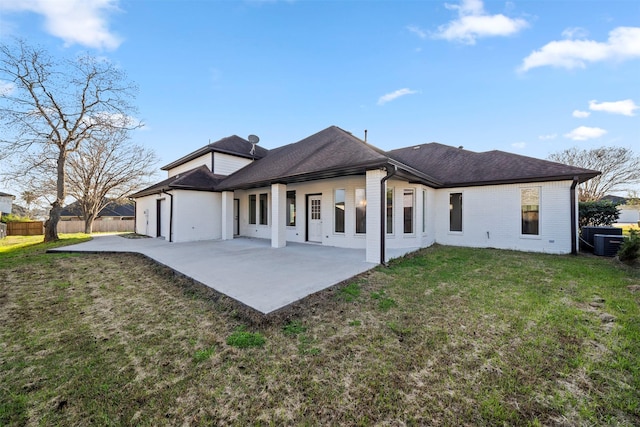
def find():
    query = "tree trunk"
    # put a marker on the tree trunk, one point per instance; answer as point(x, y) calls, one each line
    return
point(51, 225)
point(88, 224)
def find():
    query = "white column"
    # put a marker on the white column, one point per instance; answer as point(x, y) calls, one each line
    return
point(278, 215)
point(227, 215)
point(374, 202)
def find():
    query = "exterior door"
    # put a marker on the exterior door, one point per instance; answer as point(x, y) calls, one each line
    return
point(236, 218)
point(314, 218)
point(159, 218)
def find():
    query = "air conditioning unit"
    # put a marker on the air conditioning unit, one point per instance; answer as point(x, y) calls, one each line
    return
point(606, 244)
point(587, 233)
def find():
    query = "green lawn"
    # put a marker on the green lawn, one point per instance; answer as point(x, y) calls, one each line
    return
point(450, 336)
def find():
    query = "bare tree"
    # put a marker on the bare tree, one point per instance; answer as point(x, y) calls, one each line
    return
point(106, 171)
point(52, 107)
point(620, 169)
point(29, 197)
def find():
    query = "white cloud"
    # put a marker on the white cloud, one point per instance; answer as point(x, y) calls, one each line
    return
point(581, 114)
point(6, 88)
point(548, 136)
point(473, 23)
point(583, 133)
point(394, 95)
point(82, 22)
point(626, 107)
point(417, 31)
point(575, 33)
point(623, 43)
point(519, 145)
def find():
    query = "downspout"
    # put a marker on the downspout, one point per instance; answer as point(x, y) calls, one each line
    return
point(170, 216)
point(383, 214)
point(574, 225)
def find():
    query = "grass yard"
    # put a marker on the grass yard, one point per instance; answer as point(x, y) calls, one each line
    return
point(449, 336)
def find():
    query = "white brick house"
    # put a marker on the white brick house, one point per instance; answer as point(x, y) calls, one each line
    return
point(336, 190)
point(6, 203)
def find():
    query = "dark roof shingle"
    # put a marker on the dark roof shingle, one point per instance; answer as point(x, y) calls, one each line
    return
point(200, 178)
point(230, 145)
point(458, 167)
point(331, 150)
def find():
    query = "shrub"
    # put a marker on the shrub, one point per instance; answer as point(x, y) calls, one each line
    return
point(601, 213)
point(630, 248)
point(14, 218)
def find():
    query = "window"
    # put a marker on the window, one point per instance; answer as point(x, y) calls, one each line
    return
point(361, 210)
point(252, 208)
point(316, 209)
point(291, 208)
point(263, 209)
point(407, 202)
point(455, 212)
point(339, 211)
point(424, 211)
point(389, 210)
point(530, 208)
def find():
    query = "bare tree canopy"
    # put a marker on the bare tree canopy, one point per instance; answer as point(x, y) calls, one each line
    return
point(104, 171)
point(51, 107)
point(620, 169)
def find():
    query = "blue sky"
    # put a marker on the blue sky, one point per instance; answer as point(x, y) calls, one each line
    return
point(529, 77)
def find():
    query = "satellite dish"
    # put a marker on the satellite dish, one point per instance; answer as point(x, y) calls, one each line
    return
point(253, 139)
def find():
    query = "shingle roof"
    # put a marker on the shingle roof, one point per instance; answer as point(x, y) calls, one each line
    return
point(458, 167)
point(330, 152)
point(334, 152)
point(200, 178)
point(230, 145)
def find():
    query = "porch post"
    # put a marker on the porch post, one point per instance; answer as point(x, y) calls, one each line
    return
point(374, 220)
point(278, 212)
point(227, 215)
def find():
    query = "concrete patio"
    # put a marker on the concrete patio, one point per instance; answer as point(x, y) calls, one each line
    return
point(247, 270)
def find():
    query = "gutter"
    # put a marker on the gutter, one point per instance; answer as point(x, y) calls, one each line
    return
point(574, 225)
point(383, 219)
point(170, 215)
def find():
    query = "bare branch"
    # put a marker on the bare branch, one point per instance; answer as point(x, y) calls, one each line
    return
point(620, 169)
point(55, 107)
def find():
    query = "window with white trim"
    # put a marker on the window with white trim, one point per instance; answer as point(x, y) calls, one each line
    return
point(291, 209)
point(408, 201)
point(455, 212)
point(530, 211)
point(264, 208)
point(361, 211)
point(338, 216)
point(252, 208)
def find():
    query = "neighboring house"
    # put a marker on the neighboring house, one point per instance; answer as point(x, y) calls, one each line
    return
point(6, 202)
point(629, 214)
point(112, 211)
point(334, 189)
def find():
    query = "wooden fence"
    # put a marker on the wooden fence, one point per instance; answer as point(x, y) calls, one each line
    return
point(29, 228)
point(35, 228)
point(100, 226)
